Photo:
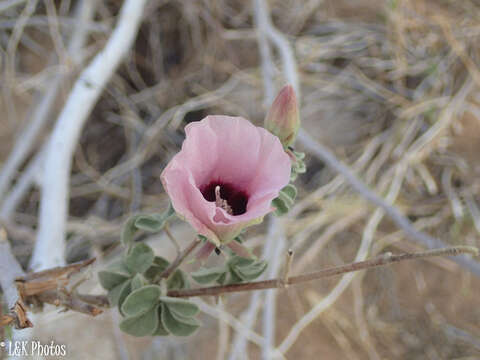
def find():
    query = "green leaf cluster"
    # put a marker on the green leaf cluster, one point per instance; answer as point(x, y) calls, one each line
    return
point(135, 285)
point(287, 195)
point(152, 223)
point(298, 164)
point(236, 270)
point(148, 313)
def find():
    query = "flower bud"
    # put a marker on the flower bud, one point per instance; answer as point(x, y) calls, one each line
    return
point(283, 119)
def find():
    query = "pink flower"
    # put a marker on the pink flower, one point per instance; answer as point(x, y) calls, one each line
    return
point(226, 176)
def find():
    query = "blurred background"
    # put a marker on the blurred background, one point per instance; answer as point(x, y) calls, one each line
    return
point(391, 87)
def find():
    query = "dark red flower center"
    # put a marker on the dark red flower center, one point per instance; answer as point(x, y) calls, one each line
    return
point(237, 199)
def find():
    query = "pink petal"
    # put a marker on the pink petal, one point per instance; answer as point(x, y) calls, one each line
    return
point(229, 150)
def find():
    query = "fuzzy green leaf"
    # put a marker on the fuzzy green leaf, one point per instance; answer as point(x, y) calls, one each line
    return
point(233, 278)
point(178, 325)
point(140, 258)
point(289, 191)
point(235, 261)
point(138, 281)
point(153, 223)
point(251, 272)
point(179, 306)
point(159, 265)
point(128, 232)
point(161, 331)
point(178, 280)
point(280, 207)
point(143, 324)
point(141, 300)
point(117, 295)
point(299, 155)
point(205, 276)
point(222, 279)
point(109, 279)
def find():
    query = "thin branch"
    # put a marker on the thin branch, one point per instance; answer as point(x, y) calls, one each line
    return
point(84, 95)
point(288, 266)
point(39, 282)
point(323, 153)
point(68, 301)
point(383, 260)
point(179, 259)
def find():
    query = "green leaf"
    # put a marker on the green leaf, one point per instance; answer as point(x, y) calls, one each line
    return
point(299, 155)
point(154, 222)
point(244, 269)
point(140, 258)
point(251, 272)
point(141, 300)
point(239, 261)
point(161, 331)
point(117, 295)
point(233, 278)
point(178, 280)
point(299, 167)
point(138, 281)
point(109, 279)
point(178, 325)
point(143, 324)
point(118, 266)
point(205, 276)
point(280, 207)
point(129, 230)
point(159, 265)
point(202, 237)
point(222, 279)
point(179, 306)
point(289, 191)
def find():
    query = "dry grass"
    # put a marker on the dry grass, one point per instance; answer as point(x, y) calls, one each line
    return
point(387, 85)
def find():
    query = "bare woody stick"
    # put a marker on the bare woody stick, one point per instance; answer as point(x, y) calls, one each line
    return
point(385, 259)
point(80, 303)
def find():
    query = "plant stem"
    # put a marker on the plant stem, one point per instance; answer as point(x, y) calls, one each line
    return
point(179, 259)
point(385, 259)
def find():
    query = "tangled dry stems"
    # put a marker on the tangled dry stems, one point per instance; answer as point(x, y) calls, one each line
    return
point(392, 89)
